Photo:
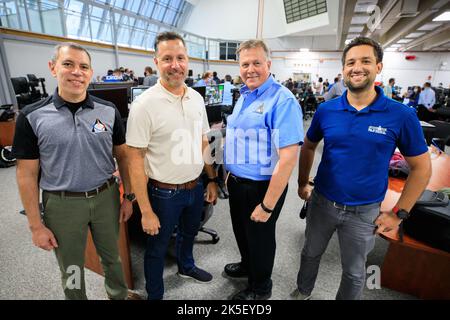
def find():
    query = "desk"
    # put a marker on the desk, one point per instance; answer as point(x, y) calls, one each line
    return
point(7, 129)
point(412, 266)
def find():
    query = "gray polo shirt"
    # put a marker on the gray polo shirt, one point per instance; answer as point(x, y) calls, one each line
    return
point(74, 149)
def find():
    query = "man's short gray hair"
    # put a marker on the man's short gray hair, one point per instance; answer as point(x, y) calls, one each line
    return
point(71, 45)
point(254, 43)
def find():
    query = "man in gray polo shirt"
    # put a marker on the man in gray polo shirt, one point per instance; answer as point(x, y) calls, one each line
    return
point(64, 145)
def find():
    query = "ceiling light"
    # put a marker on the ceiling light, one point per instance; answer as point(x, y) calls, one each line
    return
point(443, 17)
point(429, 26)
point(355, 29)
point(359, 19)
point(404, 40)
point(415, 34)
point(304, 50)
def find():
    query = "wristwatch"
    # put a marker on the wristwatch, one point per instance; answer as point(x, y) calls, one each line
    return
point(267, 210)
point(401, 213)
point(215, 179)
point(129, 196)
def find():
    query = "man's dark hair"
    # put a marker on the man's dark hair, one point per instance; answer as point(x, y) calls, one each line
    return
point(427, 84)
point(391, 80)
point(363, 41)
point(166, 36)
point(71, 45)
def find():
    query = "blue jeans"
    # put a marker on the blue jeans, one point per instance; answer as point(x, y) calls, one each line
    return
point(181, 208)
point(355, 228)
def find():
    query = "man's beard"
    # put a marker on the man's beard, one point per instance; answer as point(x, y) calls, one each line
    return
point(175, 82)
point(360, 87)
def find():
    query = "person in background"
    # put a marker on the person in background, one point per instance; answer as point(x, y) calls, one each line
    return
point(150, 78)
point(336, 90)
point(215, 78)
point(427, 100)
point(227, 93)
point(206, 80)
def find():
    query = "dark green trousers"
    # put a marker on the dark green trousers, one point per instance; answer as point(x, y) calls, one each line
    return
point(69, 219)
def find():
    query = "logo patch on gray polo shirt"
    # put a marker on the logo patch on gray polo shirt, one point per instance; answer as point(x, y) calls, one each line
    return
point(98, 126)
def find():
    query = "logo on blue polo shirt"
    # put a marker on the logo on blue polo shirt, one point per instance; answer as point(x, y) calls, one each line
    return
point(378, 130)
point(98, 126)
point(260, 109)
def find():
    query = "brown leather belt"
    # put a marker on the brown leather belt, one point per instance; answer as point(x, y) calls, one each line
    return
point(87, 194)
point(188, 185)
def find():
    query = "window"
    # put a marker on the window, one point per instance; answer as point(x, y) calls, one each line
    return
point(296, 10)
point(228, 50)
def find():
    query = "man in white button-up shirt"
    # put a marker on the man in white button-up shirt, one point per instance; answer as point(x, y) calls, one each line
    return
point(427, 99)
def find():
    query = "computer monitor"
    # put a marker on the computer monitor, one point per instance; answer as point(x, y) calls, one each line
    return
point(118, 96)
point(201, 90)
point(135, 91)
point(214, 94)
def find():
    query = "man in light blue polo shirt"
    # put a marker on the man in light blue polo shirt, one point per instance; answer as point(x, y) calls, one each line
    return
point(361, 130)
point(262, 140)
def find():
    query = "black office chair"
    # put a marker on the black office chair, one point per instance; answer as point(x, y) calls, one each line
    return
point(441, 133)
point(20, 85)
point(34, 83)
point(310, 105)
point(22, 90)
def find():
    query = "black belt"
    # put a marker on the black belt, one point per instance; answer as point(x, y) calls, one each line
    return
point(86, 194)
point(248, 181)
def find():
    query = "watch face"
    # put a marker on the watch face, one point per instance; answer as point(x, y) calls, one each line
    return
point(130, 196)
point(402, 214)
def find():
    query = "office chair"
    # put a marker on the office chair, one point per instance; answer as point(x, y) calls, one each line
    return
point(21, 89)
point(34, 82)
point(441, 133)
point(310, 104)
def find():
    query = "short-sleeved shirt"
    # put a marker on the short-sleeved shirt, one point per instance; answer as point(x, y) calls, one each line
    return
point(358, 146)
point(263, 120)
point(170, 128)
point(75, 150)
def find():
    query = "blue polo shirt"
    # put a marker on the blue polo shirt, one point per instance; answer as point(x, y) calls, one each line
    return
point(358, 146)
point(263, 120)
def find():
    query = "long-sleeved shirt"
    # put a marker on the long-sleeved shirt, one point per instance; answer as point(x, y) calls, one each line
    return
point(336, 91)
point(427, 98)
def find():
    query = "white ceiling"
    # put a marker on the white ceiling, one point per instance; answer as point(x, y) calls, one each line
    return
point(397, 24)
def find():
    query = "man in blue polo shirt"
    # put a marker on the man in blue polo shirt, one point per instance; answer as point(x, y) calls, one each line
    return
point(262, 141)
point(361, 130)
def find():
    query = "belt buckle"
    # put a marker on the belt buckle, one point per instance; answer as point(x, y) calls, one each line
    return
point(86, 193)
point(335, 204)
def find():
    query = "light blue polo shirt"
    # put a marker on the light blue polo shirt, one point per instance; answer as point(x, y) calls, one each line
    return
point(263, 120)
point(359, 145)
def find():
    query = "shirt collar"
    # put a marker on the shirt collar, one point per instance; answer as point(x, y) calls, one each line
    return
point(261, 89)
point(59, 102)
point(379, 104)
point(169, 95)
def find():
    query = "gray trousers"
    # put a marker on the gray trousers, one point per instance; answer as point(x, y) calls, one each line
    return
point(355, 227)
